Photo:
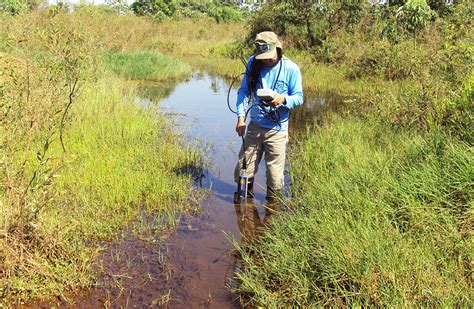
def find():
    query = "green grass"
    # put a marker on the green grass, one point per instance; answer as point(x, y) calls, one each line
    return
point(120, 164)
point(126, 157)
point(382, 219)
point(146, 66)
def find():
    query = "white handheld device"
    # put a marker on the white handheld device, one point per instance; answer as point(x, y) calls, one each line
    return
point(266, 94)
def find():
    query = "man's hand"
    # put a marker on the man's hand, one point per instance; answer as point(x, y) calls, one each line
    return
point(277, 101)
point(240, 127)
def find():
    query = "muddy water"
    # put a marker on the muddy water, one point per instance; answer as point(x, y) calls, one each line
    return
point(200, 253)
point(191, 268)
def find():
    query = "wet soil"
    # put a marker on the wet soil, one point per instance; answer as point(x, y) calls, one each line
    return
point(192, 268)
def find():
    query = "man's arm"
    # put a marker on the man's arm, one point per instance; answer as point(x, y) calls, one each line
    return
point(243, 94)
point(294, 98)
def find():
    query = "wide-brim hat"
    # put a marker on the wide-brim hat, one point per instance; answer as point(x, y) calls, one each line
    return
point(266, 44)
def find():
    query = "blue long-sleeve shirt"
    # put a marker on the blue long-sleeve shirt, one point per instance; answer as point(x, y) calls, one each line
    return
point(289, 84)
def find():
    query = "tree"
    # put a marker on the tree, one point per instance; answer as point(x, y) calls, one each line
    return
point(16, 7)
point(414, 16)
point(307, 22)
point(160, 9)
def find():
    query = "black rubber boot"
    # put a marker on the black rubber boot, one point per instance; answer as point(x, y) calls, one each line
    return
point(236, 198)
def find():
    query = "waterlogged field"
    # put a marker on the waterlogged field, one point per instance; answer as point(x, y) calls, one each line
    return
point(383, 190)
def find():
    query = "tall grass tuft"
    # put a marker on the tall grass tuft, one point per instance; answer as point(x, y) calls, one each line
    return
point(383, 219)
point(146, 66)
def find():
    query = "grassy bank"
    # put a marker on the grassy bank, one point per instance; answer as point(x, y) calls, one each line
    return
point(382, 219)
point(80, 159)
point(383, 194)
point(119, 166)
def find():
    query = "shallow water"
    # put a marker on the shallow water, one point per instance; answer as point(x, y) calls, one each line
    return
point(192, 267)
point(201, 254)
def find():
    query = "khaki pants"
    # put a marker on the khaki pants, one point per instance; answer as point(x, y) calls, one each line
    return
point(272, 143)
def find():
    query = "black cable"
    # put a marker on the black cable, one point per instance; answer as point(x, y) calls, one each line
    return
point(244, 159)
point(278, 76)
point(243, 61)
point(230, 89)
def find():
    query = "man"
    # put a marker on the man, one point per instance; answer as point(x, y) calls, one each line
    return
point(267, 132)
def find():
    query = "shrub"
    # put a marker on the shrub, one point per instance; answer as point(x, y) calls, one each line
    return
point(306, 23)
point(17, 7)
point(163, 9)
point(388, 61)
point(458, 116)
point(415, 15)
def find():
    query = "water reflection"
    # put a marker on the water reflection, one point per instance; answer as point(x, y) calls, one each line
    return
point(250, 224)
point(314, 111)
point(150, 93)
point(248, 220)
